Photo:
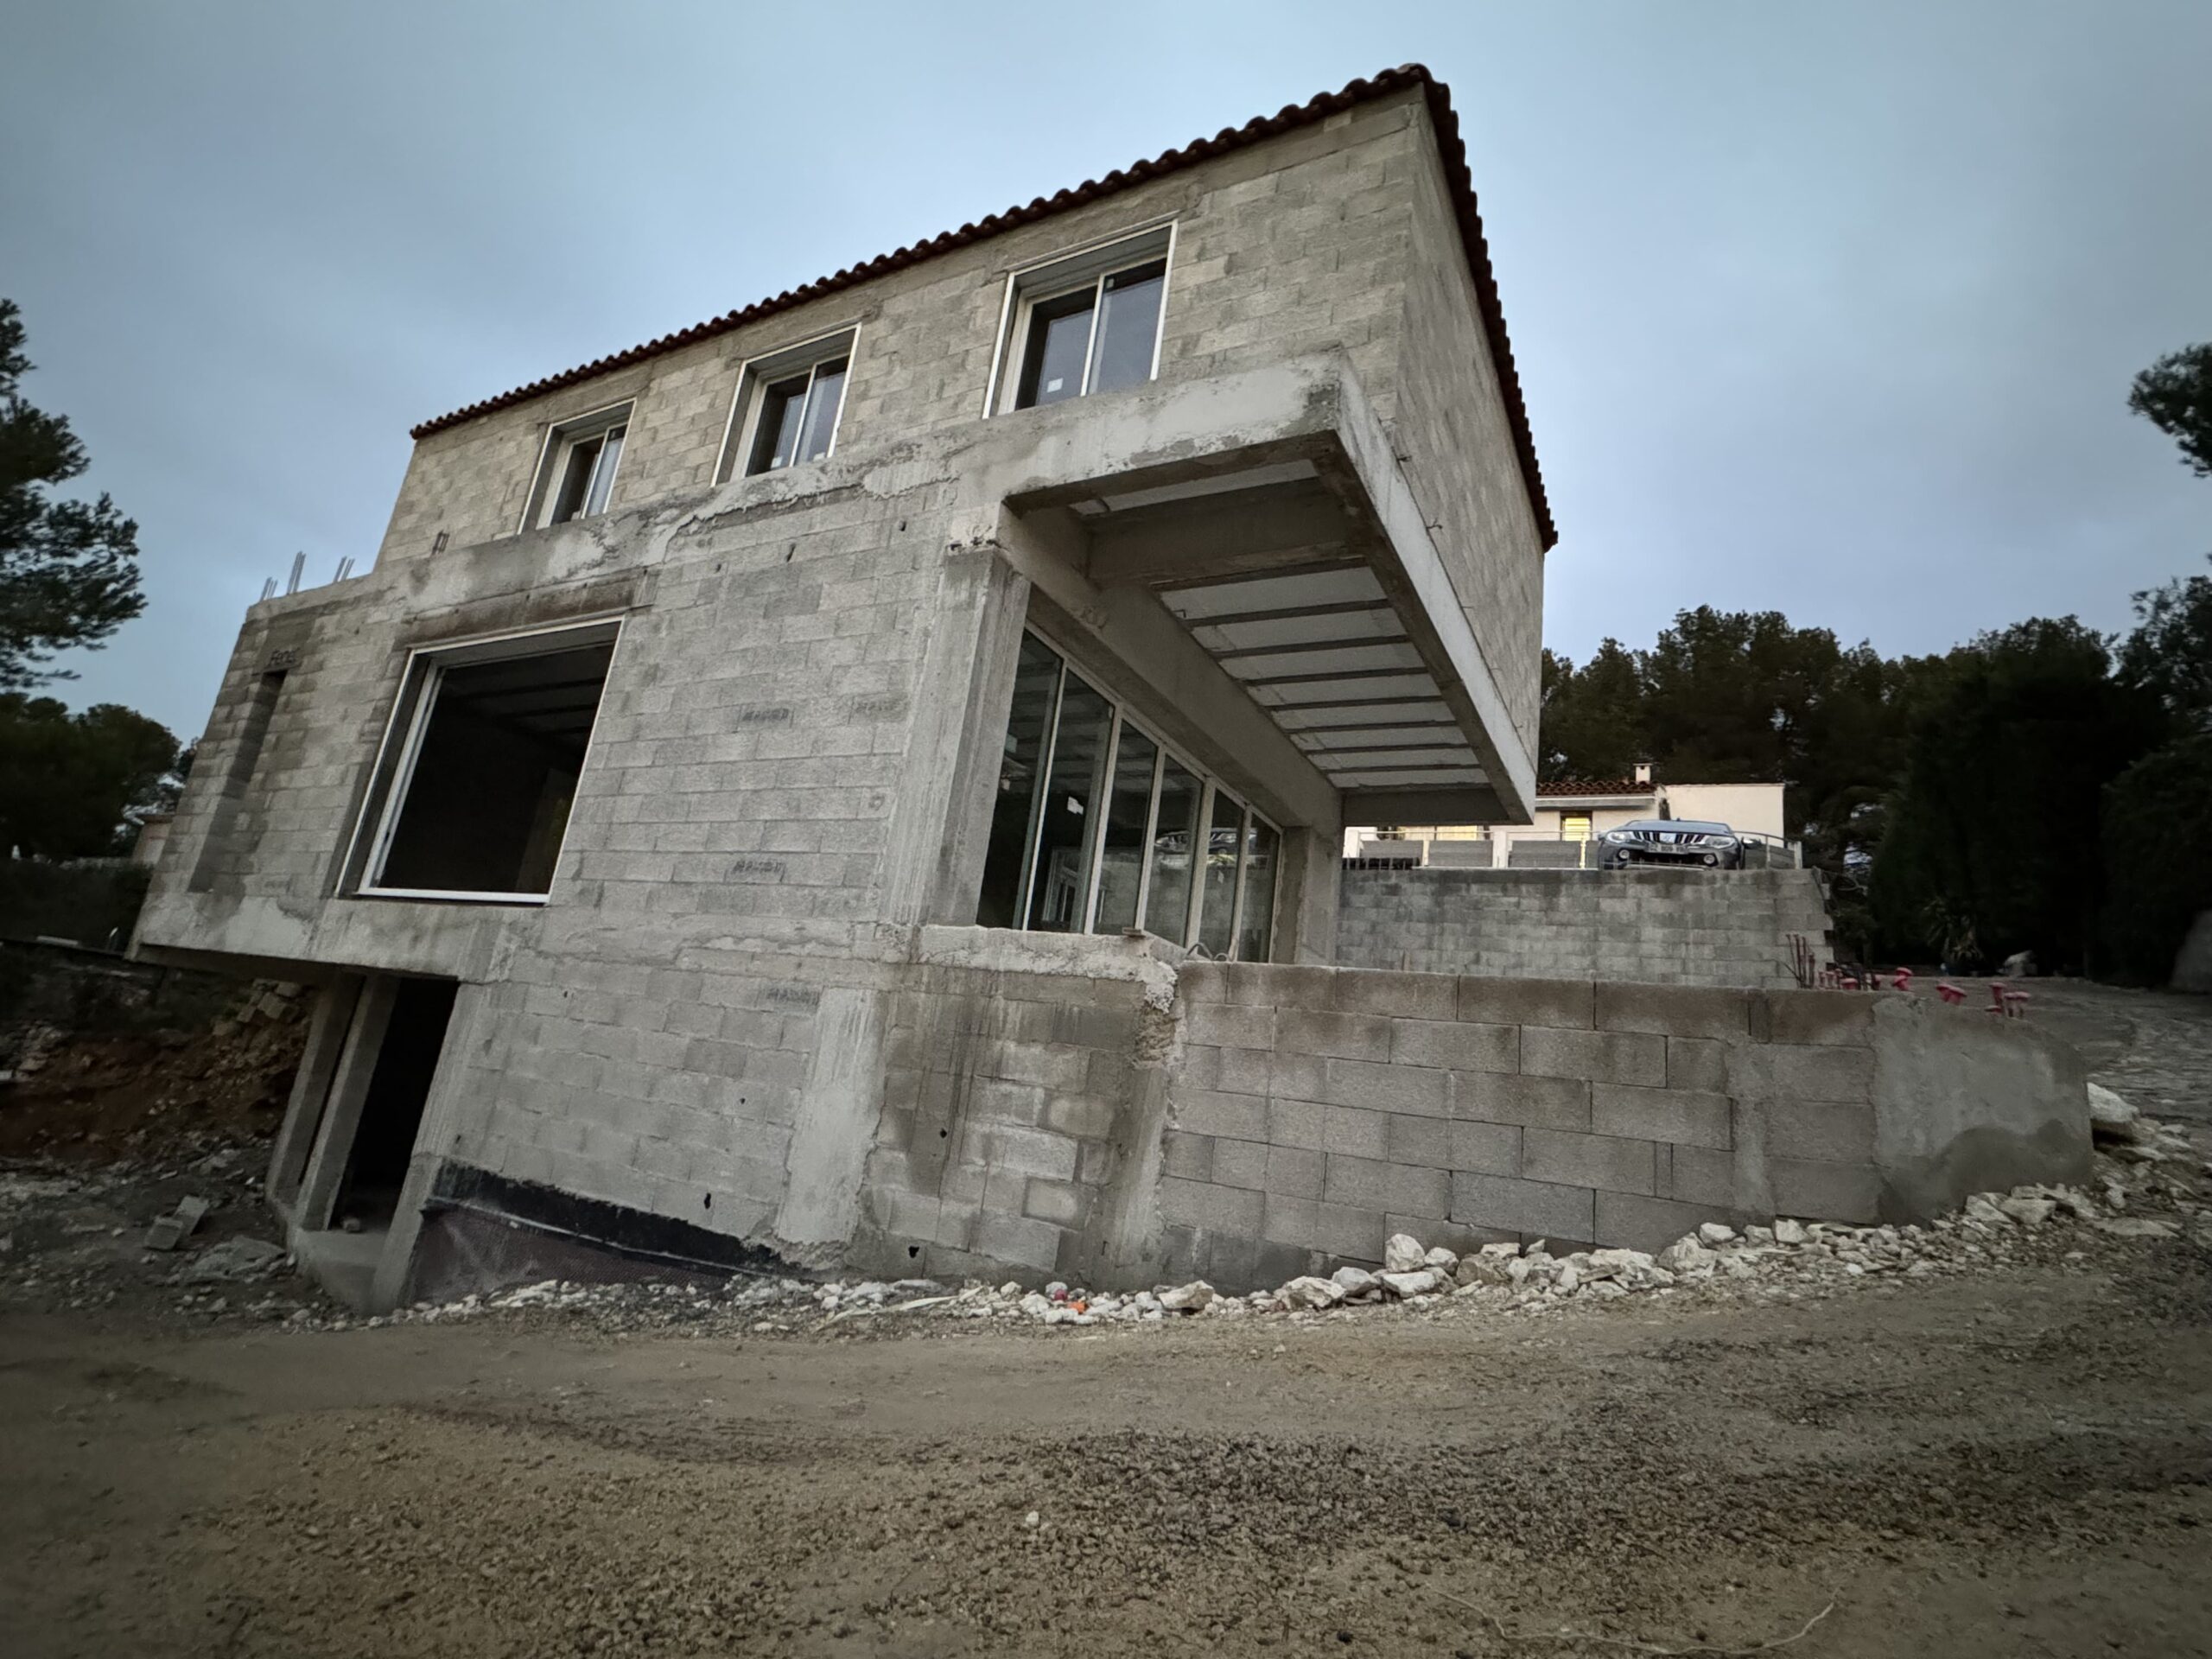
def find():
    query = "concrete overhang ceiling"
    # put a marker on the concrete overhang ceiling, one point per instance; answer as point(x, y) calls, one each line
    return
point(1281, 574)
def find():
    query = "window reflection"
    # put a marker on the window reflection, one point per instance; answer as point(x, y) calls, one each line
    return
point(1167, 906)
point(1120, 860)
point(1060, 881)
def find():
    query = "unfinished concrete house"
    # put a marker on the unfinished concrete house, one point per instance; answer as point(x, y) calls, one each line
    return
point(859, 783)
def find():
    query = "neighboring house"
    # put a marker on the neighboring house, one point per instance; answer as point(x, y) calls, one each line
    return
point(738, 734)
point(1571, 814)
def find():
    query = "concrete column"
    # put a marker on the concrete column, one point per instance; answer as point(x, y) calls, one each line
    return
point(328, 1027)
point(941, 819)
point(341, 1115)
point(1305, 918)
point(442, 1111)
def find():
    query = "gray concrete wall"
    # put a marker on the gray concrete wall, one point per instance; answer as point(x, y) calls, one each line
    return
point(1666, 927)
point(1314, 1112)
point(1297, 246)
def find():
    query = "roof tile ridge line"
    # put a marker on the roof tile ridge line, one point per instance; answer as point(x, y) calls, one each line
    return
point(1170, 160)
point(1458, 177)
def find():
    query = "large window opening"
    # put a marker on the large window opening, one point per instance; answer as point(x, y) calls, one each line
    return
point(1097, 828)
point(482, 761)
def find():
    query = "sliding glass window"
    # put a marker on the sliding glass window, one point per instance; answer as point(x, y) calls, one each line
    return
point(1098, 825)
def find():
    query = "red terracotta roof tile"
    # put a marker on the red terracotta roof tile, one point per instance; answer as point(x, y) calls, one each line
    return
point(1624, 786)
point(1287, 119)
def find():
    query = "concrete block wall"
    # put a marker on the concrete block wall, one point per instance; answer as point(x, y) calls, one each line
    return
point(1319, 1110)
point(1299, 246)
point(1666, 927)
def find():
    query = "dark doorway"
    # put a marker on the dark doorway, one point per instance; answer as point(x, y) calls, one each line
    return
point(391, 1111)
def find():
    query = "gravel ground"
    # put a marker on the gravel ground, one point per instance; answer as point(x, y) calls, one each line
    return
point(2015, 1459)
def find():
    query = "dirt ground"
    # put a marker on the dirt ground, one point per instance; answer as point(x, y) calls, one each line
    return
point(2011, 1462)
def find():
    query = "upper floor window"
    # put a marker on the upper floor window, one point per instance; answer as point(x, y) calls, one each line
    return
point(577, 473)
point(787, 406)
point(1090, 322)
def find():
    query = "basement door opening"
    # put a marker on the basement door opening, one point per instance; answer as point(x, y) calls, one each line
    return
point(391, 1110)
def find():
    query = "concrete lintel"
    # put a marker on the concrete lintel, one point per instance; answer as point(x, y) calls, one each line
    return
point(288, 941)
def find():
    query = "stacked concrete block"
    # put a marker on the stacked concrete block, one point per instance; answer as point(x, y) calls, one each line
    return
point(1682, 927)
point(1330, 1108)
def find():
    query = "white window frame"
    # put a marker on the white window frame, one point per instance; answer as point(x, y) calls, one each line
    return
point(561, 436)
point(1095, 835)
point(750, 395)
point(1064, 273)
point(371, 842)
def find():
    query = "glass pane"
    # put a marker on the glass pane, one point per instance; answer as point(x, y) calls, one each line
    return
point(821, 411)
point(1217, 910)
point(1128, 327)
point(776, 443)
point(1036, 677)
point(1071, 792)
point(1257, 932)
point(1168, 905)
point(602, 473)
point(1059, 333)
point(1121, 865)
point(575, 481)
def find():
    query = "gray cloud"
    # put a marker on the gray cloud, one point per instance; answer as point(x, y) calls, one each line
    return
point(1827, 308)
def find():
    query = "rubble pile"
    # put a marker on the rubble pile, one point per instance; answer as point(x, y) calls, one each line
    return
point(2138, 1164)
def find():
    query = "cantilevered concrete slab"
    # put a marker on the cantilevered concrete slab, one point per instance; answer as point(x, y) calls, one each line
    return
point(1266, 514)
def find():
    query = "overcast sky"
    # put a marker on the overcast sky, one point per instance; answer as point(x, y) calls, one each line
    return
point(1825, 308)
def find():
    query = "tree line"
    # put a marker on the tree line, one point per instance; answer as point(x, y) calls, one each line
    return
point(2042, 787)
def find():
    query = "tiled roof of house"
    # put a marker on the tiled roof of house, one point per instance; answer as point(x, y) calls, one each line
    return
point(1254, 131)
point(1571, 789)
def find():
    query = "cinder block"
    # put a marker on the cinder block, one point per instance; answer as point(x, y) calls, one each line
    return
point(1774, 1072)
point(1297, 1124)
point(1534, 1102)
point(1349, 1231)
point(1371, 1183)
point(1061, 1203)
point(1825, 1191)
point(1834, 1131)
point(1087, 1117)
point(1018, 1241)
point(1199, 982)
point(1217, 1209)
point(1409, 1139)
point(1239, 1163)
point(1697, 1063)
point(1628, 1222)
point(1295, 1172)
point(1700, 1175)
point(1188, 1155)
point(1209, 1111)
point(1354, 1133)
point(1600, 1055)
point(1675, 1010)
point(1384, 1088)
point(1226, 1025)
point(1695, 1118)
point(1523, 1206)
point(1490, 1148)
point(1287, 1220)
point(1815, 1018)
point(1414, 996)
point(1597, 1161)
point(1456, 1045)
point(1514, 1002)
point(1341, 1036)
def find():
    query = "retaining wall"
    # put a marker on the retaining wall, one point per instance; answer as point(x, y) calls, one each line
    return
point(1112, 1118)
point(1652, 926)
point(1318, 1110)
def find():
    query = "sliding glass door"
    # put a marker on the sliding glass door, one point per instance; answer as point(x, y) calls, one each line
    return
point(1099, 829)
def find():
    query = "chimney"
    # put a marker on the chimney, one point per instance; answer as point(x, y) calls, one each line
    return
point(1643, 771)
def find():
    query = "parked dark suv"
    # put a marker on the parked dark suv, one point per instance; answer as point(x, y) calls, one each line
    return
point(1671, 841)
